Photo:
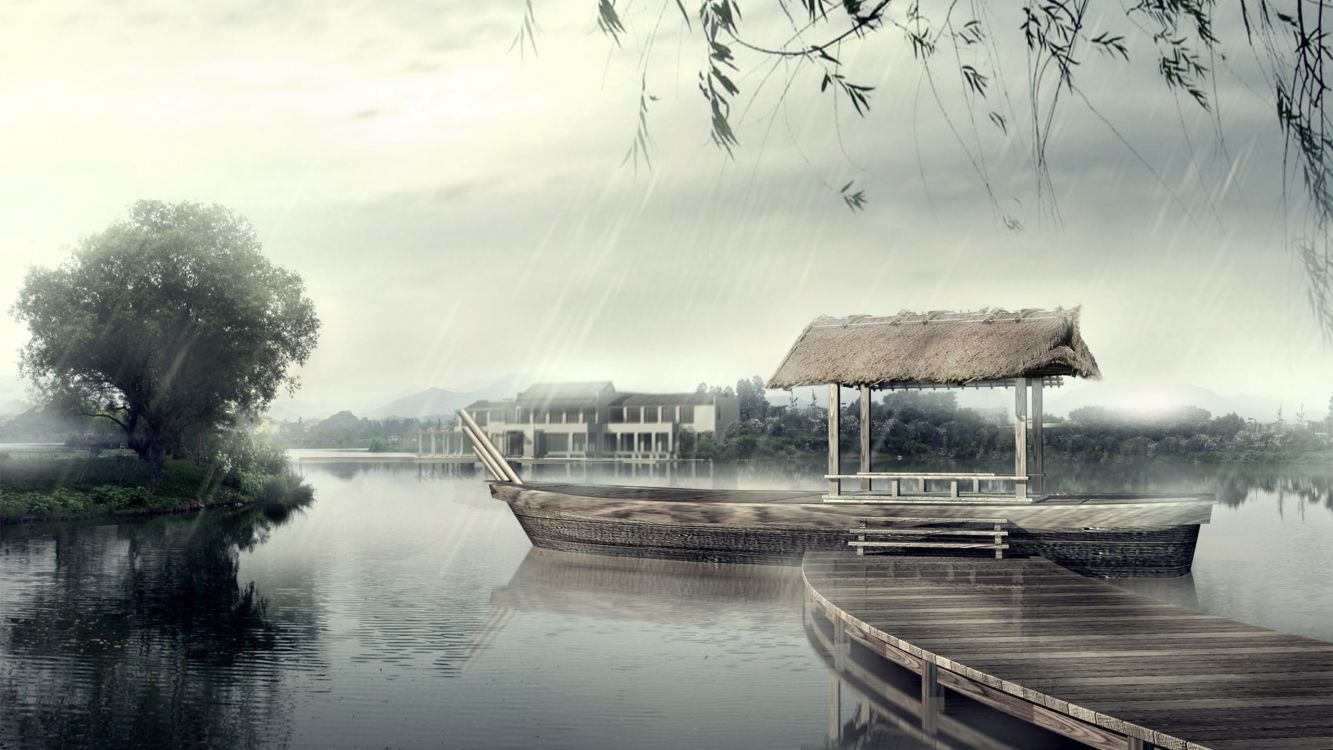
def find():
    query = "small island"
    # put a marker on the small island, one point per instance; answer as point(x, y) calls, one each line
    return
point(169, 332)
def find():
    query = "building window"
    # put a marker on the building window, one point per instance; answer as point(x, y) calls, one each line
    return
point(555, 416)
point(627, 442)
point(557, 442)
point(668, 413)
point(580, 443)
point(650, 414)
point(633, 414)
point(497, 416)
point(663, 441)
point(617, 415)
point(687, 414)
point(645, 442)
point(573, 416)
point(525, 415)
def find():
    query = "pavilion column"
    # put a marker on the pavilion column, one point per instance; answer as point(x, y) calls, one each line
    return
point(1020, 434)
point(834, 411)
point(432, 442)
point(1038, 474)
point(418, 443)
point(865, 435)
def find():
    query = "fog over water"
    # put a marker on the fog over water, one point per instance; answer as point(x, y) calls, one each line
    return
point(461, 212)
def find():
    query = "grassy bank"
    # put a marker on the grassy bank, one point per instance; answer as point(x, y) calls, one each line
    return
point(57, 486)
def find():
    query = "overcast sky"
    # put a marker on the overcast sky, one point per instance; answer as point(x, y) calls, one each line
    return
point(460, 212)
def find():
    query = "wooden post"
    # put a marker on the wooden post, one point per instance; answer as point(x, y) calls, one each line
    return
point(834, 409)
point(865, 435)
point(1038, 473)
point(834, 709)
point(1020, 434)
point(932, 697)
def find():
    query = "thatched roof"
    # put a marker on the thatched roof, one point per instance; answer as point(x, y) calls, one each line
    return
point(937, 347)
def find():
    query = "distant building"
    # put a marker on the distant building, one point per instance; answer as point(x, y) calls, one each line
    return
point(582, 420)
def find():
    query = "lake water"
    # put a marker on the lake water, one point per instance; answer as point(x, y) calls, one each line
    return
point(405, 608)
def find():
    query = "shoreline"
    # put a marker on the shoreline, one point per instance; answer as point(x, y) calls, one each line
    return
point(60, 490)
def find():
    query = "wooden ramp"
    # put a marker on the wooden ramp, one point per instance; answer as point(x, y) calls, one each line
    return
point(1078, 655)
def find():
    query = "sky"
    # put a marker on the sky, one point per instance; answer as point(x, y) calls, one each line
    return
point(461, 211)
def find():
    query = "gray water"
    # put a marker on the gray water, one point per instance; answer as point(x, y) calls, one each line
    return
point(405, 608)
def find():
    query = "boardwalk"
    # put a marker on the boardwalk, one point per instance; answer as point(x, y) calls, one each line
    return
point(1080, 656)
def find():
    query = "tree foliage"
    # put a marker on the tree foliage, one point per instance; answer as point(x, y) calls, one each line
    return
point(170, 323)
point(1061, 39)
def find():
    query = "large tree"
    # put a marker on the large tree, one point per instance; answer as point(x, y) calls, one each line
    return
point(171, 323)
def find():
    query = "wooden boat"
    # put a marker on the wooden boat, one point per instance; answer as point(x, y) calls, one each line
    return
point(1105, 535)
point(916, 513)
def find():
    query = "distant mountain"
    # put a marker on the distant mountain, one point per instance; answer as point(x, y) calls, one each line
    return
point(441, 402)
point(13, 407)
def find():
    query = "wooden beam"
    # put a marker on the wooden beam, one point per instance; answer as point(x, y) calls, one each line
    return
point(865, 434)
point(1020, 433)
point(834, 407)
point(1038, 472)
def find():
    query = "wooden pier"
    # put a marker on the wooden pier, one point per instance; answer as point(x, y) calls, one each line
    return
point(1079, 656)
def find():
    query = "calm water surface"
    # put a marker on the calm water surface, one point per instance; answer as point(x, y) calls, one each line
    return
point(405, 608)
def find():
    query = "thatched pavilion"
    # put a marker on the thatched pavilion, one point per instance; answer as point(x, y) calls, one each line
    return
point(1027, 350)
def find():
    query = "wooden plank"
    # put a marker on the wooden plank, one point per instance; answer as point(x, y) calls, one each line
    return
point(931, 545)
point(924, 475)
point(909, 531)
point(919, 519)
point(1060, 649)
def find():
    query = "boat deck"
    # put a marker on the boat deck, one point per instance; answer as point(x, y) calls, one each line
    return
point(1080, 656)
point(787, 497)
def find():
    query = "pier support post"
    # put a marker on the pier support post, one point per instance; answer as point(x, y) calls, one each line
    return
point(834, 709)
point(932, 697)
point(834, 412)
point(865, 435)
point(842, 645)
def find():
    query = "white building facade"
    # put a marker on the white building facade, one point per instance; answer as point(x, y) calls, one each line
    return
point(590, 420)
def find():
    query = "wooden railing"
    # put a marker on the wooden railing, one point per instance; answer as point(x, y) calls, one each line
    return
point(895, 479)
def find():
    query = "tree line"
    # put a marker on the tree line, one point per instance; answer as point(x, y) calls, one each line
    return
point(932, 426)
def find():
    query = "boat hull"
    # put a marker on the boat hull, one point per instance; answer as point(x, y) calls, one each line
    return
point(1107, 535)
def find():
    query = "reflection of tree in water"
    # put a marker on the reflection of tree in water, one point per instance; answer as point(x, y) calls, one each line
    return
point(140, 635)
point(1233, 484)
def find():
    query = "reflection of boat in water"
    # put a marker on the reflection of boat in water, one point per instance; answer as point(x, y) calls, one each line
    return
point(643, 590)
point(918, 513)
